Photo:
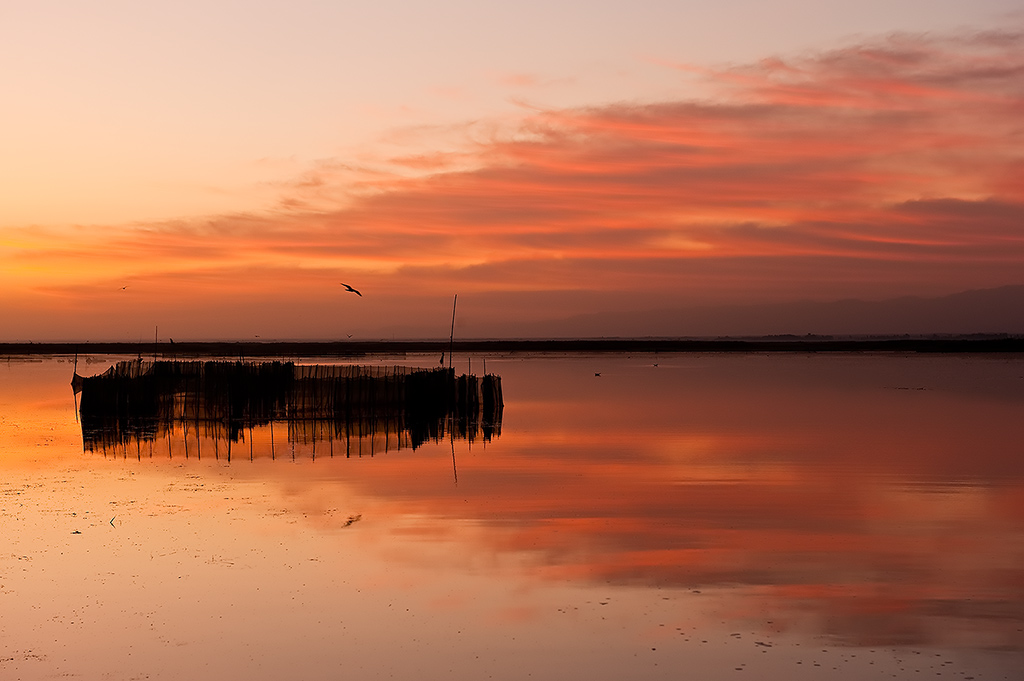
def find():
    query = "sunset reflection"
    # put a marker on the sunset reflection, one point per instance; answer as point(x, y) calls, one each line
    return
point(712, 507)
point(880, 497)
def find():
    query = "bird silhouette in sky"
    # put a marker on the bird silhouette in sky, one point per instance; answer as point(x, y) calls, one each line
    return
point(349, 288)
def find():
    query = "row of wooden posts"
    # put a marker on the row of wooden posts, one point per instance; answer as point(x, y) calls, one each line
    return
point(137, 401)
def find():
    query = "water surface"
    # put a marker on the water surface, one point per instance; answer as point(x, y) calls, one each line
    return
point(656, 516)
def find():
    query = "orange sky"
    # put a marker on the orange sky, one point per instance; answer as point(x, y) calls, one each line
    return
point(889, 166)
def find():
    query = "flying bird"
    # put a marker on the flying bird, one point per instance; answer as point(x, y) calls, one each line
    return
point(349, 288)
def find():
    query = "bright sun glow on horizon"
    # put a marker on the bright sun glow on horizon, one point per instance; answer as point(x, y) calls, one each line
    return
point(218, 169)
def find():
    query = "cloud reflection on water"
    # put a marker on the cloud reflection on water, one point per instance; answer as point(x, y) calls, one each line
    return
point(878, 500)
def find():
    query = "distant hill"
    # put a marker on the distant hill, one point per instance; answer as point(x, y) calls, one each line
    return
point(997, 310)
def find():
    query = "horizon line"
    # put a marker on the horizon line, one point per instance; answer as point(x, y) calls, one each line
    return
point(926, 343)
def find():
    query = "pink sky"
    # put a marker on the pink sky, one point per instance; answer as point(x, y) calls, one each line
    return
point(882, 165)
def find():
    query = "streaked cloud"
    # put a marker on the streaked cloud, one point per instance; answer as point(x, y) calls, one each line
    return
point(892, 165)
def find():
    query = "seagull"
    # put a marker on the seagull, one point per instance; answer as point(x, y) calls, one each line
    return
point(349, 288)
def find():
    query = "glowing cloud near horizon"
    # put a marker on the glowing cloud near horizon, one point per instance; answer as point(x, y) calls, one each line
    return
point(892, 167)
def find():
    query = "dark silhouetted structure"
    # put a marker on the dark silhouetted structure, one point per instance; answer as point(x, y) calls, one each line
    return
point(363, 407)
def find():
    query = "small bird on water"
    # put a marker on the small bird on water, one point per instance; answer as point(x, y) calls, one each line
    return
point(349, 288)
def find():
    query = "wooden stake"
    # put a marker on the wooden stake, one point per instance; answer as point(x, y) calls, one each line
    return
point(451, 339)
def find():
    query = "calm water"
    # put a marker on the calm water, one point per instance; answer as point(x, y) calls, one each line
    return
point(676, 516)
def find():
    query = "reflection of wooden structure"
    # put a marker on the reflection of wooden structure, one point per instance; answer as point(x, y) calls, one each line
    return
point(367, 408)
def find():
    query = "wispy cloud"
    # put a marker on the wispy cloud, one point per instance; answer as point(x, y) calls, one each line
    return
point(891, 163)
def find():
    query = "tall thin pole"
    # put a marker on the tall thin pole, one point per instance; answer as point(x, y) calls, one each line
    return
point(451, 435)
point(451, 339)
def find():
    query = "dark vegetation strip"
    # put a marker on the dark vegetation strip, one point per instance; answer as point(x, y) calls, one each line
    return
point(958, 344)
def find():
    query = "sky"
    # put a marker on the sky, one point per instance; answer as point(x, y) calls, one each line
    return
point(215, 170)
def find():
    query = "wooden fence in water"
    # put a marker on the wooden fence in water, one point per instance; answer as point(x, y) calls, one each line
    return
point(382, 407)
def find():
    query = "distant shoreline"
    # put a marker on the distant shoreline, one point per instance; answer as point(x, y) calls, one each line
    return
point(956, 344)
